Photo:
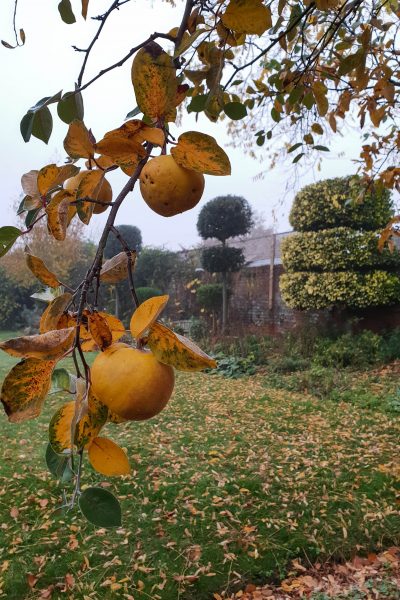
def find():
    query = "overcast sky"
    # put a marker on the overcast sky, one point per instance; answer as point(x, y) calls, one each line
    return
point(47, 64)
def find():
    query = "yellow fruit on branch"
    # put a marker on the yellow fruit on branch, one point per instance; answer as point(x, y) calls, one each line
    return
point(104, 195)
point(131, 382)
point(169, 189)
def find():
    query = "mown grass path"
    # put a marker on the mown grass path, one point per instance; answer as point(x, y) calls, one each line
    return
point(228, 484)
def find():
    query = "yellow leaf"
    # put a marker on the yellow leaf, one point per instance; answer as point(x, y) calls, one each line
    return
point(100, 330)
point(146, 314)
point(140, 132)
point(320, 91)
point(114, 418)
point(46, 346)
point(247, 16)
point(25, 388)
point(101, 162)
point(52, 315)
point(89, 187)
point(154, 81)
point(51, 176)
point(39, 269)
point(60, 428)
point(116, 326)
point(90, 425)
point(200, 152)
point(176, 350)
point(108, 458)
point(116, 268)
point(124, 152)
point(59, 212)
point(79, 142)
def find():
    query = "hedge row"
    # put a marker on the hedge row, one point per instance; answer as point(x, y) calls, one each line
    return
point(338, 249)
point(307, 291)
point(336, 203)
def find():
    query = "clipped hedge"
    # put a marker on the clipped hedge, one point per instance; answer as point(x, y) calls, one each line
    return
point(336, 203)
point(338, 249)
point(222, 259)
point(308, 291)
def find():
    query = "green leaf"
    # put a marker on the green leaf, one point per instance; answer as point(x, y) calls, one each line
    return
point(31, 216)
point(45, 102)
point(350, 63)
point(298, 157)
point(260, 140)
point(269, 135)
point(309, 101)
point(133, 113)
point(322, 148)
point(70, 107)
point(21, 208)
point(275, 115)
point(42, 125)
point(26, 126)
point(198, 103)
point(60, 380)
point(100, 507)
point(293, 148)
point(8, 236)
point(58, 464)
point(65, 10)
point(295, 94)
point(235, 110)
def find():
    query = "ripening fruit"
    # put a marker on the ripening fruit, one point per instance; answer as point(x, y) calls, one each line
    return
point(169, 189)
point(131, 382)
point(105, 194)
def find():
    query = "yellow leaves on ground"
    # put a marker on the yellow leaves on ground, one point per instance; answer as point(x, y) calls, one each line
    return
point(200, 152)
point(39, 269)
point(46, 346)
point(116, 268)
point(87, 429)
point(146, 314)
point(247, 16)
point(155, 83)
point(178, 351)
point(79, 142)
point(58, 212)
point(51, 176)
point(52, 314)
point(25, 388)
point(100, 330)
point(107, 458)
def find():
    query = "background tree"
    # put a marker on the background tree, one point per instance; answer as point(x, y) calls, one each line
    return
point(334, 260)
point(222, 218)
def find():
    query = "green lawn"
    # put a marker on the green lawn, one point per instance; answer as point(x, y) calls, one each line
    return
point(232, 481)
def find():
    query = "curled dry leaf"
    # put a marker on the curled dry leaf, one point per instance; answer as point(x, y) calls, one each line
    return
point(59, 213)
point(39, 269)
point(247, 16)
point(154, 81)
point(53, 313)
point(51, 176)
point(30, 186)
point(200, 152)
point(146, 314)
point(89, 187)
point(100, 330)
point(107, 458)
point(124, 152)
point(25, 389)
point(46, 346)
point(116, 268)
point(178, 351)
point(79, 142)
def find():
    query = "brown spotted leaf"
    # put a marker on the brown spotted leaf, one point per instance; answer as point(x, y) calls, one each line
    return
point(53, 313)
point(79, 142)
point(58, 214)
point(146, 314)
point(116, 268)
point(39, 269)
point(46, 346)
point(178, 351)
point(100, 330)
point(107, 458)
point(200, 152)
point(89, 187)
point(154, 81)
point(51, 176)
point(25, 388)
point(124, 152)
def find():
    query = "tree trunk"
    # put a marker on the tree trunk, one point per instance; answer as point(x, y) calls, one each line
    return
point(117, 303)
point(224, 302)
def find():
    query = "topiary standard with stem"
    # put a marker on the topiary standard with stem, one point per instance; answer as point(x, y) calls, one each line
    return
point(222, 218)
point(334, 259)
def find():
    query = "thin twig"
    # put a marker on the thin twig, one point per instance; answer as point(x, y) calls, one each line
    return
point(128, 252)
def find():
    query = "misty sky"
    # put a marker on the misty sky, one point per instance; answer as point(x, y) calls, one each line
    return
point(47, 64)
